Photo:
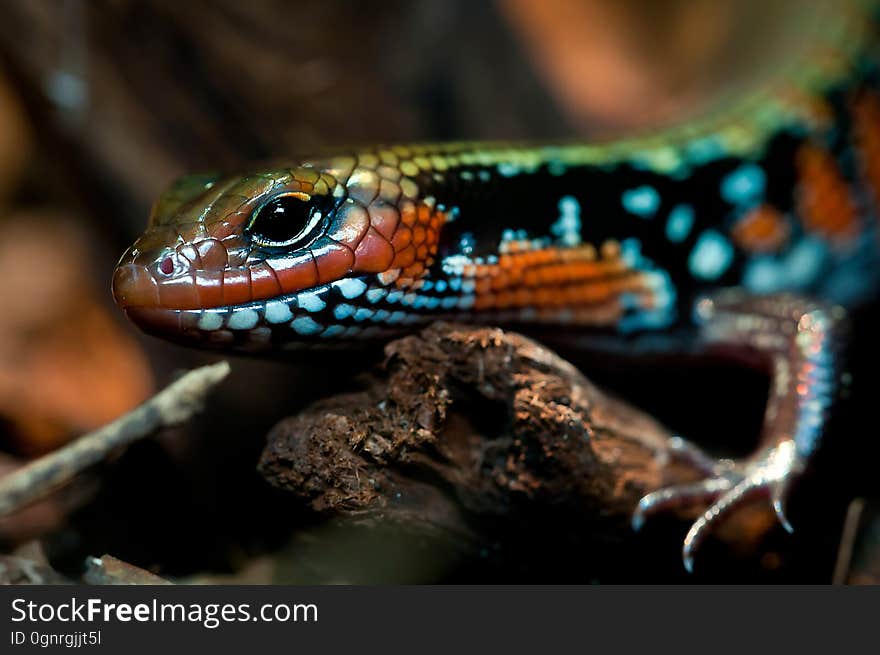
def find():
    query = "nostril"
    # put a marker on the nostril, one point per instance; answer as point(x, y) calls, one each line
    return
point(166, 266)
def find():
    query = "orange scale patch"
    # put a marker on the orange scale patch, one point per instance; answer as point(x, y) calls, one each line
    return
point(402, 238)
point(296, 273)
point(404, 257)
point(384, 219)
point(523, 297)
point(333, 260)
point(824, 203)
point(374, 253)
point(264, 282)
point(408, 215)
point(237, 286)
point(763, 229)
point(413, 271)
point(209, 285)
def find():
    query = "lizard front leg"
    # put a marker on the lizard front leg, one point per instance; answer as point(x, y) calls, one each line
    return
point(800, 340)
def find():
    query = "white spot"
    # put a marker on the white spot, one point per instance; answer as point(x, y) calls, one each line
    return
point(306, 326)
point(642, 201)
point(210, 321)
point(243, 319)
point(310, 302)
point(278, 312)
point(711, 257)
point(351, 287)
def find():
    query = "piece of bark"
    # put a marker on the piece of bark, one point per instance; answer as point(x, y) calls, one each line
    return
point(475, 433)
point(108, 570)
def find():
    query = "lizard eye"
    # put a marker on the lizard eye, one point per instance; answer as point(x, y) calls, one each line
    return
point(288, 220)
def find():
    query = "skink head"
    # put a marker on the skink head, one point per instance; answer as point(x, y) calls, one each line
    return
point(240, 259)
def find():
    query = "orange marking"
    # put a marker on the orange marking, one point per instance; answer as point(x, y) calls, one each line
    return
point(823, 197)
point(762, 229)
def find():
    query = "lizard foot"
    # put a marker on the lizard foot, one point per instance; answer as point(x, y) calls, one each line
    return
point(727, 484)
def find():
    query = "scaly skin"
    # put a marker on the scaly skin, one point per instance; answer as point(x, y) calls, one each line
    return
point(762, 217)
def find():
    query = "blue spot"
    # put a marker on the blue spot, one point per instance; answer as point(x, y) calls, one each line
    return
point(646, 320)
point(343, 311)
point(310, 302)
point(332, 331)
point(305, 325)
point(744, 185)
point(440, 286)
point(631, 253)
point(711, 257)
point(705, 150)
point(679, 223)
point(629, 301)
point(351, 287)
point(805, 262)
point(467, 243)
point(507, 169)
point(642, 201)
point(764, 275)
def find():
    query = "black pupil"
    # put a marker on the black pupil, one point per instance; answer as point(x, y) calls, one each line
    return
point(282, 219)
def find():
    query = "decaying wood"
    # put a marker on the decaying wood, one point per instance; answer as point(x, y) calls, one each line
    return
point(471, 429)
point(171, 406)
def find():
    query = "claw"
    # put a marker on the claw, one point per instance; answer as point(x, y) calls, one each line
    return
point(711, 516)
point(728, 487)
point(661, 499)
point(780, 492)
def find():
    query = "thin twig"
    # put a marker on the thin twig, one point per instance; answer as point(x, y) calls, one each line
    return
point(847, 541)
point(173, 405)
